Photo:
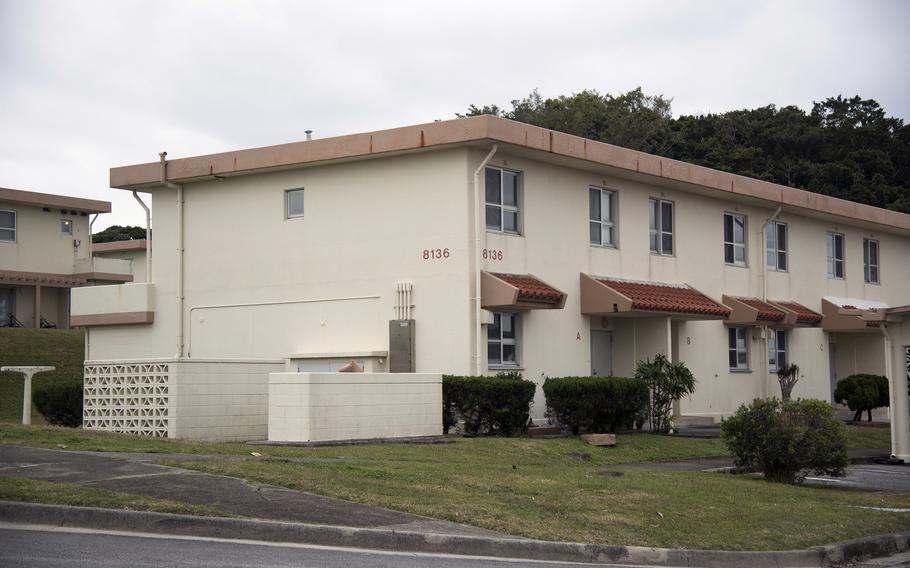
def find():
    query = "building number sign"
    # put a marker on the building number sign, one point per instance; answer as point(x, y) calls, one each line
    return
point(436, 254)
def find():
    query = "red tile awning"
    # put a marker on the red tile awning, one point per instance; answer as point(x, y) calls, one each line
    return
point(753, 311)
point(798, 314)
point(844, 314)
point(613, 297)
point(518, 291)
point(18, 278)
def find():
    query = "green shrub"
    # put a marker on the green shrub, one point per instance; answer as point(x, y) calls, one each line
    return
point(862, 393)
point(785, 440)
point(60, 403)
point(488, 405)
point(596, 404)
point(667, 383)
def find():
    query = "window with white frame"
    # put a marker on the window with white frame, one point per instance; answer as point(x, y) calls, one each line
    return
point(8, 226)
point(661, 221)
point(835, 255)
point(66, 226)
point(738, 348)
point(776, 245)
point(777, 349)
point(870, 260)
point(602, 216)
point(735, 239)
point(502, 340)
point(293, 203)
point(502, 188)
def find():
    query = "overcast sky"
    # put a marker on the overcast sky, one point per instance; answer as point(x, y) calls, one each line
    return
point(86, 85)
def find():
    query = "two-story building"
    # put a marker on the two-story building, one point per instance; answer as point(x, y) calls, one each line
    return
point(45, 250)
point(479, 245)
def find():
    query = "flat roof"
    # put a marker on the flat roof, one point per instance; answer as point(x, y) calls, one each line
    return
point(538, 142)
point(112, 246)
point(52, 200)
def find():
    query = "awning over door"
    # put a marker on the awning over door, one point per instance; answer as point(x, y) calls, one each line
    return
point(753, 311)
point(798, 315)
point(518, 291)
point(613, 297)
point(852, 314)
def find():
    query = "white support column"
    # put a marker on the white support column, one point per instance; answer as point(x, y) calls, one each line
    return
point(27, 372)
point(897, 357)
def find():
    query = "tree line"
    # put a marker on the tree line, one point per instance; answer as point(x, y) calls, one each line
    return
point(842, 147)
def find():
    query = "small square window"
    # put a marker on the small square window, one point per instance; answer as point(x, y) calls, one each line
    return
point(66, 226)
point(294, 203)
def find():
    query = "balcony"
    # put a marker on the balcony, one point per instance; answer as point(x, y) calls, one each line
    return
point(122, 304)
point(104, 269)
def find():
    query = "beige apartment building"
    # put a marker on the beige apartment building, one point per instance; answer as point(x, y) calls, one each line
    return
point(45, 250)
point(481, 245)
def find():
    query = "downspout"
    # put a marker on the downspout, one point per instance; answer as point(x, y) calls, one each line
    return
point(90, 224)
point(764, 292)
point(91, 256)
point(148, 237)
point(478, 234)
point(180, 299)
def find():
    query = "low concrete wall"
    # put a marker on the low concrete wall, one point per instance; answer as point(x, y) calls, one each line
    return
point(318, 407)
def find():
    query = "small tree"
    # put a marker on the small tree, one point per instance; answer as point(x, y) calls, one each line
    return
point(862, 393)
point(787, 376)
point(668, 382)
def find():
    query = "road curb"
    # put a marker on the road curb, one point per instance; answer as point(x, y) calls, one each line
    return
point(406, 541)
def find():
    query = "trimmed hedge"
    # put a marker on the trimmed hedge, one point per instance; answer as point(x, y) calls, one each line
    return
point(488, 405)
point(596, 404)
point(862, 393)
point(787, 440)
point(60, 403)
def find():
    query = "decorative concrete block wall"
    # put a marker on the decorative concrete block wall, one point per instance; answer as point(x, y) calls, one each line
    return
point(319, 407)
point(205, 399)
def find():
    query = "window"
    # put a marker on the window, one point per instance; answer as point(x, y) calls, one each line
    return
point(8, 226)
point(661, 218)
point(502, 198)
point(777, 349)
point(66, 226)
point(502, 341)
point(293, 203)
point(602, 207)
point(738, 348)
point(735, 239)
point(870, 260)
point(776, 245)
point(835, 255)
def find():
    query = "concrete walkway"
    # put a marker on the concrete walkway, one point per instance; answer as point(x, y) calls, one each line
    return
point(130, 473)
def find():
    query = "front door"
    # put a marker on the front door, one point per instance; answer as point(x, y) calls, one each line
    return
point(832, 366)
point(601, 353)
point(7, 305)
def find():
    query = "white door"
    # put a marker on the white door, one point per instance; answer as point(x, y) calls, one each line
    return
point(601, 353)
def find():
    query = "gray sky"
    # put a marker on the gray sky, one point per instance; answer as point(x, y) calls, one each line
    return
point(86, 85)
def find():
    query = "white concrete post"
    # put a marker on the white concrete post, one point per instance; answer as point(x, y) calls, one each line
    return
point(896, 371)
point(28, 373)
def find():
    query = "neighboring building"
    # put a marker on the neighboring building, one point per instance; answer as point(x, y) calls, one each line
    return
point(45, 249)
point(132, 251)
point(574, 258)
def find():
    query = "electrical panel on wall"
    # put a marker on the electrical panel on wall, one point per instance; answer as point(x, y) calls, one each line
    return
point(401, 346)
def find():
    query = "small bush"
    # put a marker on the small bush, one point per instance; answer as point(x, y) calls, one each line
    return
point(596, 404)
point(488, 405)
point(862, 393)
point(785, 440)
point(667, 383)
point(60, 403)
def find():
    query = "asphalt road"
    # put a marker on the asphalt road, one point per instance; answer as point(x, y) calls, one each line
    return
point(40, 547)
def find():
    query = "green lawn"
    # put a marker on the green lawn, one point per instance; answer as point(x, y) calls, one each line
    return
point(62, 348)
point(34, 491)
point(870, 437)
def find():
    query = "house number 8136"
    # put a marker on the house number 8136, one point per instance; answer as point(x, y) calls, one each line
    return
point(436, 254)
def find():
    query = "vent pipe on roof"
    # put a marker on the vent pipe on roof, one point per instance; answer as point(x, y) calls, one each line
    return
point(309, 134)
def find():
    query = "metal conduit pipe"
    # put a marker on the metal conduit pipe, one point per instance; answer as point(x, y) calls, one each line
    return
point(148, 237)
point(162, 156)
point(478, 234)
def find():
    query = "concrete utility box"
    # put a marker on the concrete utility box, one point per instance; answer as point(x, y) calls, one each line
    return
point(321, 407)
point(401, 346)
